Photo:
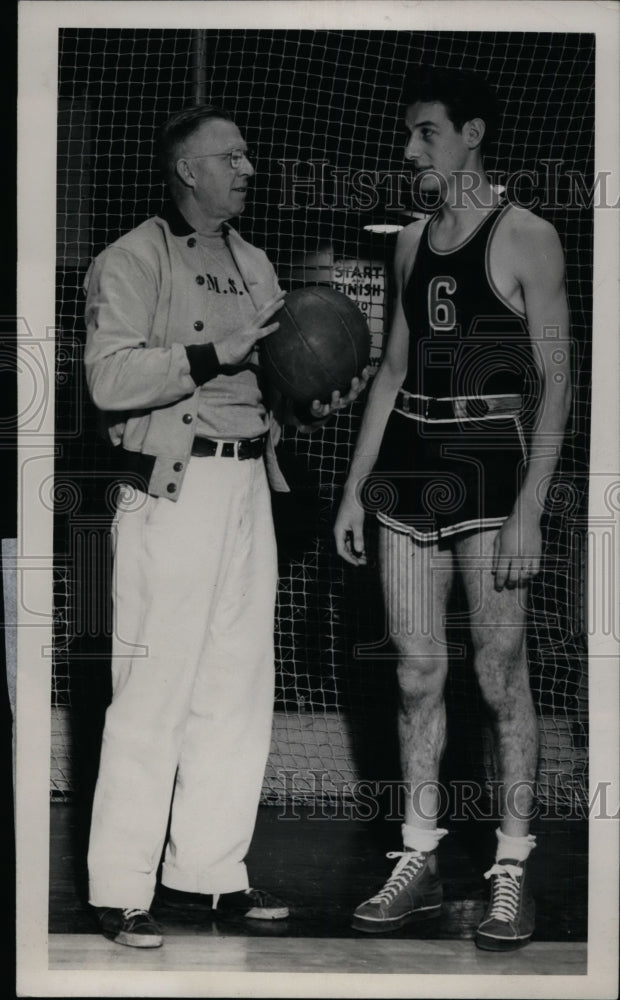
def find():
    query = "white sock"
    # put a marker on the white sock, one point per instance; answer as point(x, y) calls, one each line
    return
point(418, 839)
point(517, 848)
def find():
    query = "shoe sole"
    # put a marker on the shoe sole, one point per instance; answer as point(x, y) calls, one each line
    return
point(500, 944)
point(280, 914)
point(137, 940)
point(371, 926)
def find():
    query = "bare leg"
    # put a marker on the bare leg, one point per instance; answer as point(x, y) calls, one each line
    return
point(498, 621)
point(416, 583)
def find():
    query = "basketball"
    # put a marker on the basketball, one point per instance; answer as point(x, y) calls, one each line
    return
point(322, 343)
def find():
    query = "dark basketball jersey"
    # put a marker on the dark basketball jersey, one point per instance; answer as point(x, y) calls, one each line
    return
point(437, 477)
point(464, 340)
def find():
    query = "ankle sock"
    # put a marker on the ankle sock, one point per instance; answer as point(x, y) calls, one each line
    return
point(517, 848)
point(417, 839)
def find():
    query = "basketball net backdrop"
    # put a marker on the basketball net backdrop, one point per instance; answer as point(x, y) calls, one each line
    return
point(321, 110)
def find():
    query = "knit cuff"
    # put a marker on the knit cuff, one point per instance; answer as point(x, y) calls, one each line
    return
point(203, 362)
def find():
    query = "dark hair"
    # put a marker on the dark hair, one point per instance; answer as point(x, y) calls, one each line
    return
point(464, 96)
point(178, 128)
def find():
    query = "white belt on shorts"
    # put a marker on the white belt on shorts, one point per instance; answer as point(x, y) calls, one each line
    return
point(456, 407)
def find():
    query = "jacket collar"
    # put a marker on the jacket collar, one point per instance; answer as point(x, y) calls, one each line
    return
point(179, 226)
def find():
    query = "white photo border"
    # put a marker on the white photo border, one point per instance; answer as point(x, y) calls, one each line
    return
point(39, 22)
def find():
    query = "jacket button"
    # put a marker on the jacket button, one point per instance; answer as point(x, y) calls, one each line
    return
point(187, 418)
point(191, 241)
point(199, 325)
point(200, 279)
point(178, 466)
point(171, 487)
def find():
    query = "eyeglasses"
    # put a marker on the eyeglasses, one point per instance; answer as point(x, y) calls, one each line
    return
point(235, 156)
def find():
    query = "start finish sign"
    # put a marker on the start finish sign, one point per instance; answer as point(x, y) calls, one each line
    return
point(363, 281)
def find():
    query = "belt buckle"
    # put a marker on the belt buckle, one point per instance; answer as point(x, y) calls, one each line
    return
point(427, 408)
point(405, 403)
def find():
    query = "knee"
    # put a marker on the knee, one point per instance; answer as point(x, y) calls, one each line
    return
point(421, 677)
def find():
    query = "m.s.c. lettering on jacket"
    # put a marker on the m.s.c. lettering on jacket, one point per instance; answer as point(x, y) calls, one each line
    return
point(142, 300)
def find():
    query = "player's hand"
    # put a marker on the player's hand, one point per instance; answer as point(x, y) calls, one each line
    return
point(349, 531)
point(320, 411)
point(238, 344)
point(517, 551)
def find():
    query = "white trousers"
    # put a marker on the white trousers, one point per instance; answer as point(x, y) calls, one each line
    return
point(193, 684)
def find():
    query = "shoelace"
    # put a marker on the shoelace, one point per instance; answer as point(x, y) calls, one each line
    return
point(410, 864)
point(135, 912)
point(258, 896)
point(505, 891)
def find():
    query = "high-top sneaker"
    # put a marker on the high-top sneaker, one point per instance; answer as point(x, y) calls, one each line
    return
point(412, 892)
point(509, 920)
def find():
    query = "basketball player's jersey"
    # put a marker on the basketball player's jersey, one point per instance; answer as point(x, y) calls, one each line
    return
point(464, 339)
point(441, 476)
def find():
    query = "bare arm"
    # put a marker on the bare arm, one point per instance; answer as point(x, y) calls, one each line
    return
point(539, 268)
point(349, 526)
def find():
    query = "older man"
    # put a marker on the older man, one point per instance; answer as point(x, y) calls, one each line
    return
point(175, 309)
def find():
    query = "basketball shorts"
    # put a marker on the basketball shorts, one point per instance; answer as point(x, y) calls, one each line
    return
point(435, 479)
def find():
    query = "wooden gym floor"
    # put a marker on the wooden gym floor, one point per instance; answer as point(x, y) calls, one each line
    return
point(323, 866)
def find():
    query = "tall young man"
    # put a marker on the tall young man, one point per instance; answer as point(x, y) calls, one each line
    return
point(464, 424)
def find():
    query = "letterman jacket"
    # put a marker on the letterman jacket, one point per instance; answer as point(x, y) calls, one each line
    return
point(142, 292)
